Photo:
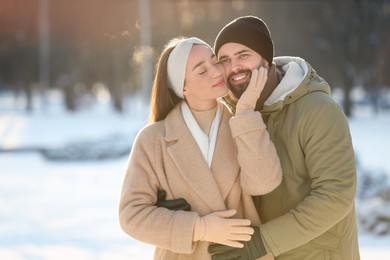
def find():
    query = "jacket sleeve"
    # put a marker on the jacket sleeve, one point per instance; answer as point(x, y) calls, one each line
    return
point(261, 171)
point(138, 216)
point(328, 155)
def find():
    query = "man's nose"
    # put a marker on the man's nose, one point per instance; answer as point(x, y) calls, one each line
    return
point(235, 66)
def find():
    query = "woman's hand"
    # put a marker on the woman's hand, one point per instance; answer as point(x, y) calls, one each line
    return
point(219, 228)
point(248, 99)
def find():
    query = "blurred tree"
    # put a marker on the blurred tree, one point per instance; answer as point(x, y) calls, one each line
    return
point(98, 42)
point(346, 42)
point(351, 34)
point(119, 69)
point(18, 49)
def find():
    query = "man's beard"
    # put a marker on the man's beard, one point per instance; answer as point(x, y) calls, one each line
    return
point(237, 90)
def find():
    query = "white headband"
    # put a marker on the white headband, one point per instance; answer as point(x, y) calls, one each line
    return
point(177, 62)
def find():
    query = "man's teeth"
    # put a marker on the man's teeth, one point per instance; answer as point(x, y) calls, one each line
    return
point(239, 77)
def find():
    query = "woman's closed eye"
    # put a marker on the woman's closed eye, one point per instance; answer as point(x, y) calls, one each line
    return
point(202, 71)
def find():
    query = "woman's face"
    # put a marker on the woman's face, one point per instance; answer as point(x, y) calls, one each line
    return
point(204, 80)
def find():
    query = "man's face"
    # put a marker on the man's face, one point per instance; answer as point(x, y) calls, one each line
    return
point(238, 61)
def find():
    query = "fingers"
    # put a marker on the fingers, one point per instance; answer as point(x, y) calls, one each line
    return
point(235, 254)
point(223, 257)
point(242, 230)
point(233, 243)
point(180, 204)
point(253, 80)
point(240, 233)
point(259, 77)
point(226, 213)
point(263, 70)
point(237, 222)
point(248, 99)
point(238, 237)
point(238, 230)
point(223, 252)
point(176, 204)
point(218, 248)
point(161, 195)
point(236, 225)
point(262, 77)
point(220, 228)
point(186, 207)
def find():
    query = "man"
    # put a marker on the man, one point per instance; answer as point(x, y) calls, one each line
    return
point(311, 215)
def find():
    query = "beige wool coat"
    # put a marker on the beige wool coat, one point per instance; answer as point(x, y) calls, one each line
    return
point(166, 157)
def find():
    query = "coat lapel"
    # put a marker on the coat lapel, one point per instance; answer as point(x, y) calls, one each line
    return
point(225, 163)
point(189, 160)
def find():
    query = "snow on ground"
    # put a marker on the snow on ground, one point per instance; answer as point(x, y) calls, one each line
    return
point(371, 138)
point(68, 210)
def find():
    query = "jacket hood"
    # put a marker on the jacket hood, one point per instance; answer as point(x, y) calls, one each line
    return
point(299, 79)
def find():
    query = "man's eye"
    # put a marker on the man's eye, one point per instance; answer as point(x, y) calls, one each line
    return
point(223, 61)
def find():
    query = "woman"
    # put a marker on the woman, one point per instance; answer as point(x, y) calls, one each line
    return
point(188, 151)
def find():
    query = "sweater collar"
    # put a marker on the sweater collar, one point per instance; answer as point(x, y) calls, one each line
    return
point(205, 142)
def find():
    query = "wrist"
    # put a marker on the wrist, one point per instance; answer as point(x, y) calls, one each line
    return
point(257, 248)
point(199, 229)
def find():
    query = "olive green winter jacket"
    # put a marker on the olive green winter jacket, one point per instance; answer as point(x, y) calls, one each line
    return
point(311, 215)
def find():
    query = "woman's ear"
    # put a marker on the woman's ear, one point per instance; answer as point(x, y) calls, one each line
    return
point(184, 88)
point(185, 93)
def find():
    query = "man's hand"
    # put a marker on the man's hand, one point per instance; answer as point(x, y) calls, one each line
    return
point(252, 249)
point(176, 204)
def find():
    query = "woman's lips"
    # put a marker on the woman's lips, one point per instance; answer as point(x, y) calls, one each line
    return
point(219, 84)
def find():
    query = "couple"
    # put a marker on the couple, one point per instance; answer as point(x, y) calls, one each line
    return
point(222, 168)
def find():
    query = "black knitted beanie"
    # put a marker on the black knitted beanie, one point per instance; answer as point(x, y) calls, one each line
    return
point(250, 31)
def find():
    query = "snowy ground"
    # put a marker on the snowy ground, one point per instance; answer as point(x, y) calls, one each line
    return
point(68, 210)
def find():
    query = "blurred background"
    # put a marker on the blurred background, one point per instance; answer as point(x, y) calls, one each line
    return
point(107, 49)
point(75, 82)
